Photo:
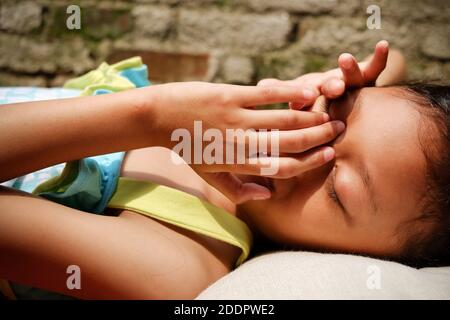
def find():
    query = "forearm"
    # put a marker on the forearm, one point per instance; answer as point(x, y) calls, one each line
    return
point(35, 135)
point(130, 257)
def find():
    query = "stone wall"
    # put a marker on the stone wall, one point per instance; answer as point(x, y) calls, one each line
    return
point(237, 41)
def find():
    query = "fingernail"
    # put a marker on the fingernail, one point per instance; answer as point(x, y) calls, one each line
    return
point(347, 60)
point(328, 154)
point(326, 117)
point(347, 64)
point(384, 43)
point(339, 125)
point(296, 105)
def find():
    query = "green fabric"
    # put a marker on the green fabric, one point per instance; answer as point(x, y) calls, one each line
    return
point(127, 64)
point(60, 183)
point(183, 210)
point(105, 77)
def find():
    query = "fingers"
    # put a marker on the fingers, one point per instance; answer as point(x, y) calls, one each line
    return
point(321, 105)
point(353, 75)
point(251, 142)
point(333, 88)
point(377, 63)
point(282, 167)
point(248, 96)
point(367, 74)
point(250, 151)
point(288, 141)
point(351, 72)
point(296, 141)
point(308, 91)
point(282, 119)
point(234, 189)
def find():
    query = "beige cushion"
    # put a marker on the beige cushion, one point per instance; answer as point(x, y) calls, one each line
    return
point(308, 275)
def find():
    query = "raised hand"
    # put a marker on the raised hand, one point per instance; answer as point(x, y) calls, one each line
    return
point(222, 108)
point(333, 83)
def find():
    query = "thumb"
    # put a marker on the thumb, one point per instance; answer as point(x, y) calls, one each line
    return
point(234, 189)
point(333, 88)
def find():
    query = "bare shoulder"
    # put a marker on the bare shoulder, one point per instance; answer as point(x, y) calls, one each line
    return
point(156, 164)
point(175, 263)
point(188, 262)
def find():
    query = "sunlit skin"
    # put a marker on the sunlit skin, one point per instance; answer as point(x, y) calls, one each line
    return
point(381, 135)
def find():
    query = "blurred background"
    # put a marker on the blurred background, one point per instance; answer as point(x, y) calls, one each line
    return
point(234, 41)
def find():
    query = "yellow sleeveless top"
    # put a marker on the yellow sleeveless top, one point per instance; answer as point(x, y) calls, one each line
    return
point(183, 210)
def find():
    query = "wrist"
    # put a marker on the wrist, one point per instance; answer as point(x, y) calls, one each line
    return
point(148, 115)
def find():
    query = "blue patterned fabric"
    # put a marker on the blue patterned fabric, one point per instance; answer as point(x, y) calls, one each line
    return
point(25, 94)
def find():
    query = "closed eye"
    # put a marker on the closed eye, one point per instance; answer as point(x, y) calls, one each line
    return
point(331, 191)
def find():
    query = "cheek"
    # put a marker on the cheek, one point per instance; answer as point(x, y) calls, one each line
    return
point(316, 216)
point(294, 220)
point(296, 209)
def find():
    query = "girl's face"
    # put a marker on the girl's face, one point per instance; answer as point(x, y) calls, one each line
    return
point(359, 202)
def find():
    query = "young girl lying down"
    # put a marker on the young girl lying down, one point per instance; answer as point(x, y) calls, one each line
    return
point(364, 171)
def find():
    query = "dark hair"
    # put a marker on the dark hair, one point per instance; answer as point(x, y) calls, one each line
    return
point(428, 243)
